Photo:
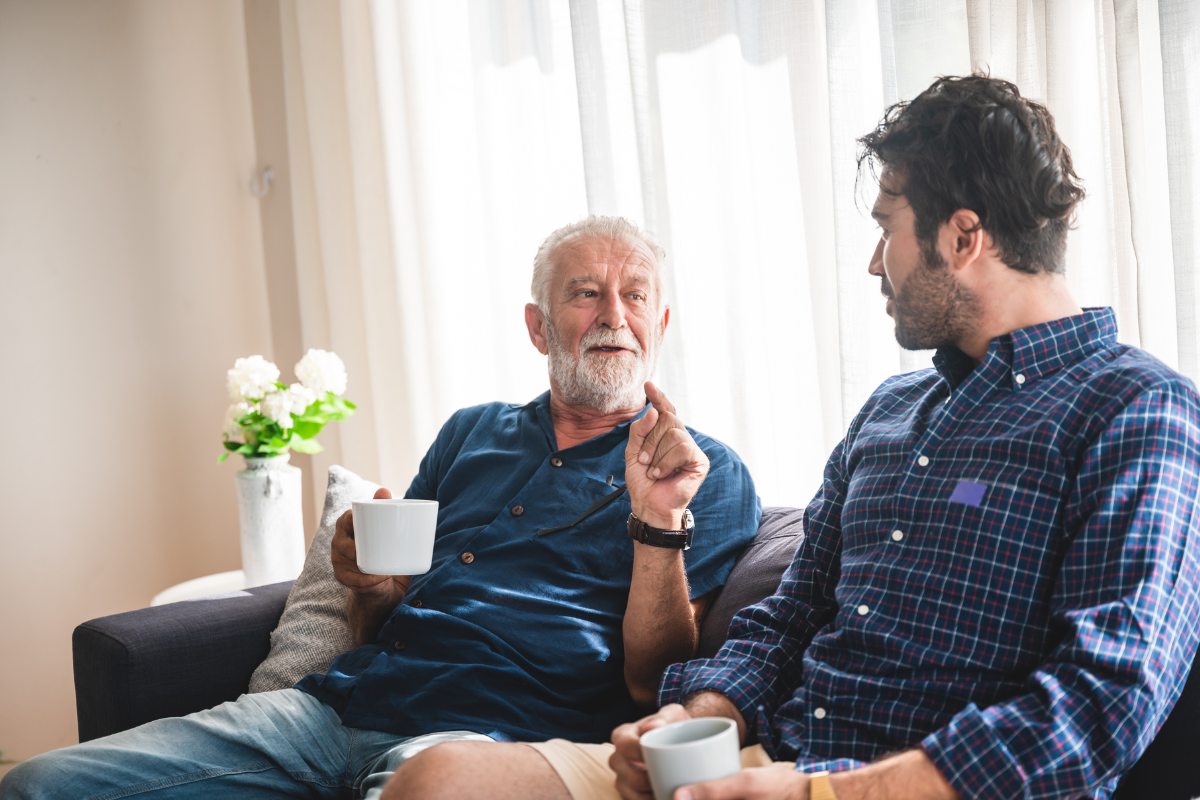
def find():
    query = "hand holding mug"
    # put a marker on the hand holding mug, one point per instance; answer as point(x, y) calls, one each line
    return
point(344, 554)
point(633, 782)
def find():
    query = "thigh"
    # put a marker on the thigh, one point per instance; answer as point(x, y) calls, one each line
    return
point(585, 774)
point(272, 744)
point(582, 768)
point(377, 757)
point(476, 771)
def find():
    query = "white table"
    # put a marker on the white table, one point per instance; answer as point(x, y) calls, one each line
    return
point(220, 583)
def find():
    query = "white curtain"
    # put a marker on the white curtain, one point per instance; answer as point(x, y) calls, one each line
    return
point(464, 131)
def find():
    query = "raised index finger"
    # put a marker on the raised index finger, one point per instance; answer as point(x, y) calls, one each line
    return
point(658, 399)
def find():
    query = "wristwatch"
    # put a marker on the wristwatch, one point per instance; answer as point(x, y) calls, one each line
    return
point(819, 787)
point(658, 537)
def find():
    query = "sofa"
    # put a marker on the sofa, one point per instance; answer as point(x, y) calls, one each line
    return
point(174, 659)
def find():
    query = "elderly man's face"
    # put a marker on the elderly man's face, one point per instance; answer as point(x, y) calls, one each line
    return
point(604, 329)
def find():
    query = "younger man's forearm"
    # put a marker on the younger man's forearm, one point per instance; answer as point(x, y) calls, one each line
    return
point(907, 776)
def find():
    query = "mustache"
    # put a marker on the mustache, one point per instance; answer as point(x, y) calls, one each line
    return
point(605, 337)
point(885, 288)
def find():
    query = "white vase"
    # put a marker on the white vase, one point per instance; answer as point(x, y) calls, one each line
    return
point(272, 518)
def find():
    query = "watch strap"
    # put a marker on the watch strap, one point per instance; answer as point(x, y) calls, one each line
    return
point(819, 787)
point(642, 532)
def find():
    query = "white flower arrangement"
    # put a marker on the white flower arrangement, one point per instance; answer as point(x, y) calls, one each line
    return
point(268, 418)
point(322, 372)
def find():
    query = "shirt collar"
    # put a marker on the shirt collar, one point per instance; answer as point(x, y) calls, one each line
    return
point(541, 407)
point(1038, 350)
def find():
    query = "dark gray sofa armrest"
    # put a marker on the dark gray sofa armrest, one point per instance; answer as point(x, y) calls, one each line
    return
point(1168, 770)
point(171, 660)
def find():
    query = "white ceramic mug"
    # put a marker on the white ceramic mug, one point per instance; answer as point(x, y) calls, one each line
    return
point(690, 751)
point(394, 537)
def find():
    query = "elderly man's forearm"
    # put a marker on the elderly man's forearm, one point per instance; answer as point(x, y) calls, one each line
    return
point(660, 627)
point(366, 613)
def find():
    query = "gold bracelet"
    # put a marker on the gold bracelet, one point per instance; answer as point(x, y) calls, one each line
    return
point(819, 787)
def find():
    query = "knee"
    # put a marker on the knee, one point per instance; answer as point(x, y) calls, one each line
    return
point(433, 774)
point(31, 780)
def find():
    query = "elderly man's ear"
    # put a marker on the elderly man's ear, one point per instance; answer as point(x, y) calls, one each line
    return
point(536, 325)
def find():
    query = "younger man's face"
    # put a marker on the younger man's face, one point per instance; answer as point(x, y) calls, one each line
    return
point(930, 307)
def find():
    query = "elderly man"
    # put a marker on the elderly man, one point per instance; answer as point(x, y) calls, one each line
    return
point(998, 595)
point(557, 596)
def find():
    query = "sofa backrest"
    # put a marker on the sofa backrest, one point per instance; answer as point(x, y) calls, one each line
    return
point(755, 575)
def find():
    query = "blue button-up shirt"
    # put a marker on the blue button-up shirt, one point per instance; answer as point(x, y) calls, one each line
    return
point(510, 633)
point(1000, 568)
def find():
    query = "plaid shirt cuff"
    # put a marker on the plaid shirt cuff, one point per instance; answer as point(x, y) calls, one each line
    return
point(670, 690)
point(736, 678)
point(973, 759)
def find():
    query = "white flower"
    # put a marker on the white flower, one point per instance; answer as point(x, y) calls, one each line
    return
point(277, 406)
point(280, 405)
point(301, 396)
point(251, 378)
point(322, 372)
point(232, 415)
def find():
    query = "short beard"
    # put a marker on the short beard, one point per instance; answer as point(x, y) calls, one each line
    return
point(934, 310)
point(604, 384)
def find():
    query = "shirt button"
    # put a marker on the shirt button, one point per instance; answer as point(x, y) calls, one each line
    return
point(417, 604)
point(897, 535)
point(1020, 379)
point(467, 558)
point(819, 713)
point(923, 461)
point(518, 510)
point(863, 611)
point(400, 645)
point(556, 462)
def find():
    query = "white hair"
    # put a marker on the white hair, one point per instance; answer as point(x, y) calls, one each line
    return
point(613, 229)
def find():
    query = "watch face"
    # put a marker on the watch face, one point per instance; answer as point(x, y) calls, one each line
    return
point(688, 520)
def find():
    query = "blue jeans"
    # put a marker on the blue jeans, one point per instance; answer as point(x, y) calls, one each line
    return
point(274, 744)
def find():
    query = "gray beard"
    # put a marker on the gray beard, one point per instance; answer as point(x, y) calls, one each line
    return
point(604, 384)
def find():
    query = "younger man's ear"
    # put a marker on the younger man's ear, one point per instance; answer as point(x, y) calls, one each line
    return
point(970, 240)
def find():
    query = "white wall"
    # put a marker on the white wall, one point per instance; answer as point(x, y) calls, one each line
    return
point(131, 276)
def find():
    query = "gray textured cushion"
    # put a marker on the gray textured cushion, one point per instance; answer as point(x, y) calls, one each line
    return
point(755, 575)
point(313, 631)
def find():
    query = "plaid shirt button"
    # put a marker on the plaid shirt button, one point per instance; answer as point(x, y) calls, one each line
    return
point(1020, 379)
point(863, 611)
point(819, 713)
point(923, 461)
point(897, 535)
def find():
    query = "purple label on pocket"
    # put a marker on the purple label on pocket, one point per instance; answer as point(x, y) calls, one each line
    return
point(968, 492)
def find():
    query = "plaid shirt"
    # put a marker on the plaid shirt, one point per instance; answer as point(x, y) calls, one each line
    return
point(1000, 568)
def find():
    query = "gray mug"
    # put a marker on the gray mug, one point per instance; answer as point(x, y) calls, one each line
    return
point(690, 751)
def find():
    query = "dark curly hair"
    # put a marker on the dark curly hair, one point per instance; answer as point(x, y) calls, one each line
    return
point(973, 142)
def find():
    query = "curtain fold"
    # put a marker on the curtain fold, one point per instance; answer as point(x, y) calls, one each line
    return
point(1179, 32)
point(439, 143)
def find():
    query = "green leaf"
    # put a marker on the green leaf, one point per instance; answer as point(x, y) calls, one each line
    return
point(246, 450)
point(221, 458)
point(306, 446)
point(307, 428)
point(232, 446)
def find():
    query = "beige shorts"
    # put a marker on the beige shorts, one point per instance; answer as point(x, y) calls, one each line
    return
point(585, 771)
